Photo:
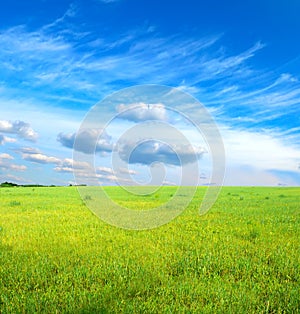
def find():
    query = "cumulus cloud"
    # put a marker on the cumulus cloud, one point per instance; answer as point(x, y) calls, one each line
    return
point(68, 162)
point(91, 176)
point(64, 169)
point(87, 174)
point(141, 112)
point(6, 156)
point(87, 141)
point(153, 151)
point(40, 158)
point(70, 165)
point(62, 165)
point(19, 128)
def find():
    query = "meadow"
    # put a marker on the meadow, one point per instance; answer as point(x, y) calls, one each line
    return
point(243, 256)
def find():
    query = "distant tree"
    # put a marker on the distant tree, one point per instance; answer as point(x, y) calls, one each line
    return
point(7, 184)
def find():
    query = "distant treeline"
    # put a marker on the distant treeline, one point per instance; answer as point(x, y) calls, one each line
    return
point(10, 185)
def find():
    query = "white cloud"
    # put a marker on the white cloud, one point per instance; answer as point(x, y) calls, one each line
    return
point(70, 165)
point(11, 177)
point(188, 89)
point(113, 178)
point(169, 183)
point(1, 139)
point(40, 158)
point(67, 68)
point(28, 150)
point(223, 66)
point(87, 141)
point(68, 162)
point(127, 171)
point(93, 176)
point(64, 169)
point(62, 61)
point(87, 174)
point(251, 176)
point(142, 112)
point(18, 167)
point(62, 165)
point(259, 150)
point(104, 170)
point(6, 156)
point(71, 12)
point(20, 128)
point(152, 151)
point(6, 139)
point(9, 139)
point(35, 42)
point(5, 165)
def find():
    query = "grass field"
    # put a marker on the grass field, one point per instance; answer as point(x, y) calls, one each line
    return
point(243, 256)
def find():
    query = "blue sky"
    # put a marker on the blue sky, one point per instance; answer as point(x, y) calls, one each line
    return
point(240, 59)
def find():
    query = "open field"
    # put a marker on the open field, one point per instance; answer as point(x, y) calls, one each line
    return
point(243, 256)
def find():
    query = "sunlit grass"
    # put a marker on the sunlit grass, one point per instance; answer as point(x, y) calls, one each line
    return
point(243, 256)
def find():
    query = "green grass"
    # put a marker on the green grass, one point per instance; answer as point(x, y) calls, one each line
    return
point(243, 256)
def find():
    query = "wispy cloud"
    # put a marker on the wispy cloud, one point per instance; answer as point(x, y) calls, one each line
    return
point(14, 178)
point(231, 79)
point(63, 61)
point(6, 165)
point(62, 20)
point(258, 107)
point(108, 1)
point(193, 61)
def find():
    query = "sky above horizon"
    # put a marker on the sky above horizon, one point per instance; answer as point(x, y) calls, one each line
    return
point(239, 59)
